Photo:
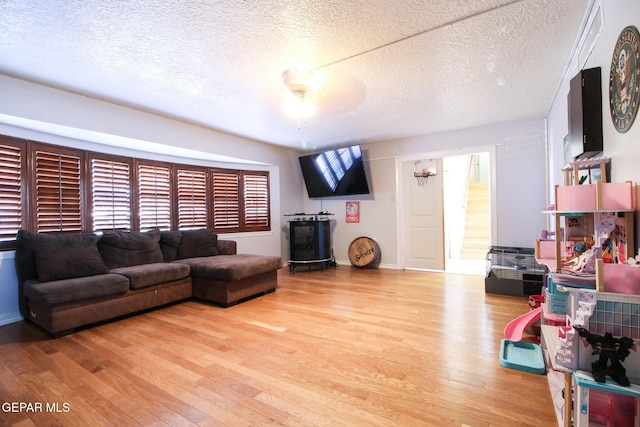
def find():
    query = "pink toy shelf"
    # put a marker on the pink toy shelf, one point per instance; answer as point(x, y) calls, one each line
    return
point(545, 253)
point(614, 196)
point(587, 213)
point(620, 278)
point(576, 198)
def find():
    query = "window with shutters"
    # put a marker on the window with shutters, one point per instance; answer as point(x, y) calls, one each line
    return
point(240, 201)
point(57, 191)
point(256, 201)
point(110, 194)
point(49, 188)
point(226, 200)
point(154, 196)
point(12, 160)
point(191, 186)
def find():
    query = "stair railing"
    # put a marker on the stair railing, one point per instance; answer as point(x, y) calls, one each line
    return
point(472, 174)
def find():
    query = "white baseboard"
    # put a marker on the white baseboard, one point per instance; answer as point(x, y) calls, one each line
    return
point(382, 265)
point(5, 319)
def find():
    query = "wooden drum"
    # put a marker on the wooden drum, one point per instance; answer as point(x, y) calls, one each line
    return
point(364, 253)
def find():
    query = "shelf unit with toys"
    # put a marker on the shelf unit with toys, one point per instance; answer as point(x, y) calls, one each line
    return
point(593, 284)
point(570, 357)
point(589, 216)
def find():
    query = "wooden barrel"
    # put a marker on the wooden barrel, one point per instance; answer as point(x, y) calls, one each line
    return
point(364, 253)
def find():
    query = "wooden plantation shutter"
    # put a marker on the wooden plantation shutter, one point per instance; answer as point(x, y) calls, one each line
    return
point(111, 195)
point(57, 191)
point(154, 197)
point(256, 201)
point(11, 191)
point(226, 201)
point(192, 198)
point(49, 188)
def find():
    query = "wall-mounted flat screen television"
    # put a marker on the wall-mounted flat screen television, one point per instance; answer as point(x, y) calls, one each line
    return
point(338, 172)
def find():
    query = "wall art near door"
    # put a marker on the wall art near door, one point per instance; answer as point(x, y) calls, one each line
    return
point(353, 212)
point(624, 79)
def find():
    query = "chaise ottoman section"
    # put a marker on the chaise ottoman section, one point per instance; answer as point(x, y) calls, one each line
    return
point(228, 279)
point(229, 268)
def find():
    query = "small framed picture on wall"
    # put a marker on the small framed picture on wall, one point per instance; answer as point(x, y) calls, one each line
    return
point(353, 211)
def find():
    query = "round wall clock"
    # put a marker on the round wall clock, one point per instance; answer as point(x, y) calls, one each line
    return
point(624, 79)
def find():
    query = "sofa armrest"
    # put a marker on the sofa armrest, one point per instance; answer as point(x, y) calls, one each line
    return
point(227, 247)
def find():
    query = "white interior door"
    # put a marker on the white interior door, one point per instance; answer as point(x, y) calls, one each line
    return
point(423, 218)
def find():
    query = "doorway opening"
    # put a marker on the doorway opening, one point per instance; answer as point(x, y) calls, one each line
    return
point(467, 212)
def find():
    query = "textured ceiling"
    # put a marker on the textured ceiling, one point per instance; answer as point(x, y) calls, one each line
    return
point(389, 69)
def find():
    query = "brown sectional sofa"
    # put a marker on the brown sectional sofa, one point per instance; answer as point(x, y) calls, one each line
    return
point(72, 280)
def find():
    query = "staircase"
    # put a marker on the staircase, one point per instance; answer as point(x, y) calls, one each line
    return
point(477, 232)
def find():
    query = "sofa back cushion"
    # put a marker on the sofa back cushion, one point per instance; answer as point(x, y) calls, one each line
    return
point(127, 248)
point(62, 256)
point(198, 243)
point(169, 244)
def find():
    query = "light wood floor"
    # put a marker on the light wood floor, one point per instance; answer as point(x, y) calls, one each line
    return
point(343, 347)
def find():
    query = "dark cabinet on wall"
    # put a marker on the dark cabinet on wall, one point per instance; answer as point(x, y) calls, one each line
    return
point(585, 115)
point(310, 243)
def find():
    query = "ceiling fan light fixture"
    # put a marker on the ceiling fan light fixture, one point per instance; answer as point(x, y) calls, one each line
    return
point(299, 108)
point(300, 80)
point(302, 84)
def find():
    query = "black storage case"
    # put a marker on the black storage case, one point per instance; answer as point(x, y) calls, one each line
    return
point(310, 243)
point(513, 271)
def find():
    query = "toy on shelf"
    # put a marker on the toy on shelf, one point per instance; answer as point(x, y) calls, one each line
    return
point(547, 235)
point(610, 351)
point(582, 258)
point(595, 167)
point(634, 261)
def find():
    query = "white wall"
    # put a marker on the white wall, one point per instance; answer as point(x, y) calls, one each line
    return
point(9, 311)
point(378, 215)
point(622, 148)
point(455, 181)
point(519, 186)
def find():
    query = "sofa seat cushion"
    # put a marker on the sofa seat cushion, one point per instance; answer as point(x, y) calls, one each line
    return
point(145, 275)
point(230, 268)
point(77, 289)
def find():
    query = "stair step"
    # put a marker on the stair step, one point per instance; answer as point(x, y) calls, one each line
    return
point(477, 232)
